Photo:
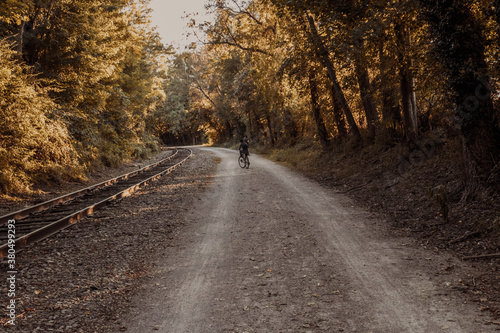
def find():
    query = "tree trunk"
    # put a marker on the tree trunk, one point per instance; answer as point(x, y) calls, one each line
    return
point(271, 132)
point(322, 54)
point(460, 48)
point(229, 130)
point(496, 11)
point(250, 126)
point(405, 88)
point(367, 99)
point(391, 114)
point(406, 84)
point(258, 123)
point(413, 101)
point(496, 3)
point(316, 111)
point(338, 116)
point(290, 126)
point(19, 40)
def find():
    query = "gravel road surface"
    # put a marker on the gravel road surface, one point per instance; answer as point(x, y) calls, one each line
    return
point(266, 250)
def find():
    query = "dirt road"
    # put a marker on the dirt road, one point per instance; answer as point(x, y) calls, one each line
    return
point(266, 250)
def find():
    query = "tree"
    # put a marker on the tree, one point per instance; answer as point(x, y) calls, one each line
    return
point(33, 146)
point(365, 88)
point(322, 53)
point(391, 113)
point(460, 47)
point(95, 68)
point(179, 121)
point(316, 110)
point(13, 16)
point(248, 35)
point(407, 81)
point(102, 56)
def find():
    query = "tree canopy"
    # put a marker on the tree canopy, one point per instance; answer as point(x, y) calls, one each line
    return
point(78, 81)
point(401, 70)
point(93, 77)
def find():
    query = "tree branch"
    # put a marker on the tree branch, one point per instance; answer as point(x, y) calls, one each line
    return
point(235, 44)
point(244, 12)
point(200, 88)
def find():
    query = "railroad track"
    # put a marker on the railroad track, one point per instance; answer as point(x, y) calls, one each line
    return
point(35, 223)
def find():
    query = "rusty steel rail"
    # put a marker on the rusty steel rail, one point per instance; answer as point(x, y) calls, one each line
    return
point(21, 214)
point(72, 218)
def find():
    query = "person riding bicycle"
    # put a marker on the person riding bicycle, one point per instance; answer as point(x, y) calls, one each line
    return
point(244, 148)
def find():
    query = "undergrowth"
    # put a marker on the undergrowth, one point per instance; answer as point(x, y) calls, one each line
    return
point(33, 146)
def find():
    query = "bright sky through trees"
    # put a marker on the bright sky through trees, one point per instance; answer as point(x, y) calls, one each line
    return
point(169, 17)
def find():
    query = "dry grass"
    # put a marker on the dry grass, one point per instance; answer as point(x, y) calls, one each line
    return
point(305, 157)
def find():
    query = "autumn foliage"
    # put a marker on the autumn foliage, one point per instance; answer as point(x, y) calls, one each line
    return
point(354, 73)
point(78, 83)
point(83, 83)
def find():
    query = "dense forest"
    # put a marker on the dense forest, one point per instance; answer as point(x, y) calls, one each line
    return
point(354, 73)
point(79, 84)
point(88, 83)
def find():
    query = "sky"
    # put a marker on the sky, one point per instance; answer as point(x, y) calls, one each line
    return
point(168, 17)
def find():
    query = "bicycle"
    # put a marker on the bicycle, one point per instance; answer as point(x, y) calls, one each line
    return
point(243, 161)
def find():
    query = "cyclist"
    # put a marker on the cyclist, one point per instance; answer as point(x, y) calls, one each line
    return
point(244, 149)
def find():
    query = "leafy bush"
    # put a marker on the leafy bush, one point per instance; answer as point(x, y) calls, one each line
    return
point(33, 147)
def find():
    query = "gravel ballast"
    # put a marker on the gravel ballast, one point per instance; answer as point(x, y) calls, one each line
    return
point(81, 279)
